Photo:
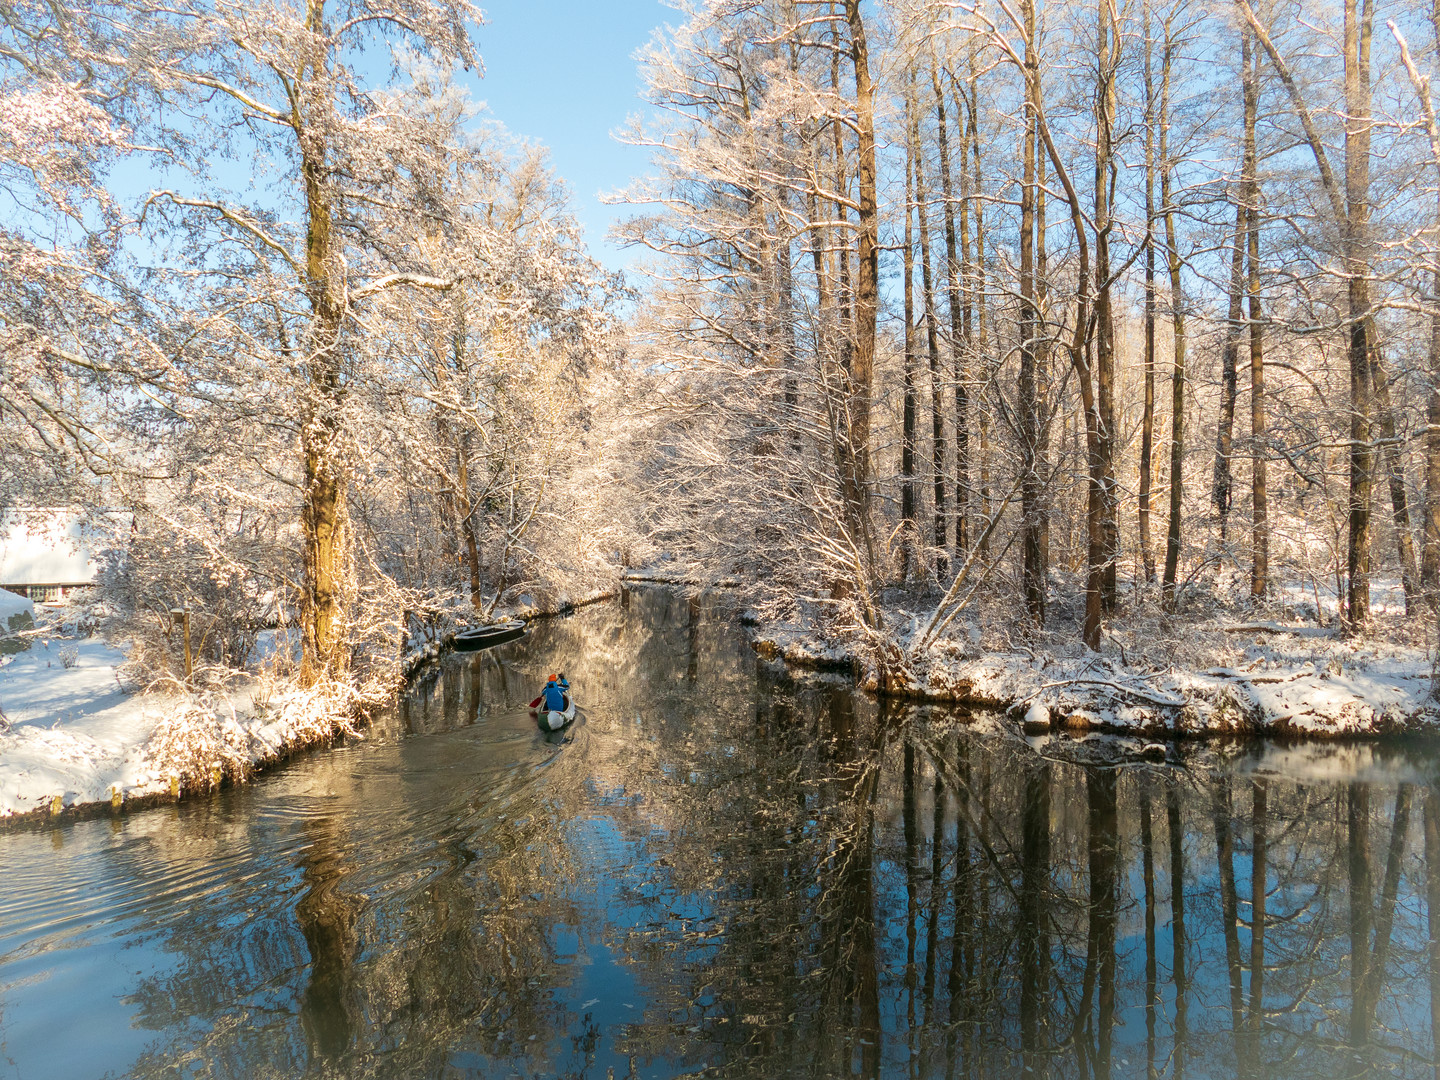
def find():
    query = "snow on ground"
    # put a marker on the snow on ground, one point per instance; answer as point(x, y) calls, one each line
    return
point(1200, 676)
point(1274, 697)
point(74, 729)
point(16, 612)
point(800, 641)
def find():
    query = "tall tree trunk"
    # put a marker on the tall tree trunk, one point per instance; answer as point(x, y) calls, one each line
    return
point(853, 476)
point(1147, 416)
point(978, 283)
point(786, 329)
point(957, 282)
point(909, 532)
point(1033, 575)
point(445, 496)
point(326, 536)
point(932, 344)
point(1177, 330)
point(1079, 358)
point(867, 286)
point(840, 250)
point(1224, 485)
point(1430, 562)
point(1260, 520)
point(1357, 263)
point(1045, 405)
point(324, 522)
point(1107, 64)
point(1393, 455)
point(1430, 569)
point(820, 262)
point(1350, 211)
point(840, 354)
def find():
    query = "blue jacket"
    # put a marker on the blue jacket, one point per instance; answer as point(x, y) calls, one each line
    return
point(554, 698)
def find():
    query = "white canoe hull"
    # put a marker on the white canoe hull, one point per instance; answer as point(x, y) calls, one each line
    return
point(554, 721)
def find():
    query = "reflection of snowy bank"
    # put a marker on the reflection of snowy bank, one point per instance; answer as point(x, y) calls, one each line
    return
point(1263, 678)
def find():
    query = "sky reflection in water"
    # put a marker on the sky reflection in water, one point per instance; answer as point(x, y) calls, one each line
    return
point(720, 870)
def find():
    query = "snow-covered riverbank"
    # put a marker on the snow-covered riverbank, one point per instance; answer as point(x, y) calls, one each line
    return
point(76, 733)
point(76, 730)
point(1222, 678)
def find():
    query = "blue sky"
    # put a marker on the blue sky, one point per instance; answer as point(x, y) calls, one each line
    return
point(562, 72)
point(559, 72)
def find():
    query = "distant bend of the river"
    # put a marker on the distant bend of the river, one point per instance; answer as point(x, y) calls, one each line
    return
point(724, 871)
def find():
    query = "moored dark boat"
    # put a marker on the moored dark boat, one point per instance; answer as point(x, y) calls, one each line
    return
point(482, 637)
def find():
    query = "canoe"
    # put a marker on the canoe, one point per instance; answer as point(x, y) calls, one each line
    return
point(482, 637)
point(554, 721)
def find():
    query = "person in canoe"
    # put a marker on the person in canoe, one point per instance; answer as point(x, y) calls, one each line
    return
point(555, 697)
point(554, 708)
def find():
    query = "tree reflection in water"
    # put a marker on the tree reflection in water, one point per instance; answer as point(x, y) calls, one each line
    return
point(729, 870)
point(327, 919)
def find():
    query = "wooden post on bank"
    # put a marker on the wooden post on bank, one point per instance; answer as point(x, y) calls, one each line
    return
point(182, 616)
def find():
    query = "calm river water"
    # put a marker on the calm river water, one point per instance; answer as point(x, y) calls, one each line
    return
point(721, 871)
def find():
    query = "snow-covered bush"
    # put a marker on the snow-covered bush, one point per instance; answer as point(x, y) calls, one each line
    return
point(199, 748)
point(224, 572)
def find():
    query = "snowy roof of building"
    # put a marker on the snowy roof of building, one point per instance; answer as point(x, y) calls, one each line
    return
point(43, 546)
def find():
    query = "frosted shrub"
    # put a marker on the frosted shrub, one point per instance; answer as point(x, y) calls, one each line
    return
point(224, 580)
point(202, 742)
point(192, 742)
point(318, 714)
point(69, 656)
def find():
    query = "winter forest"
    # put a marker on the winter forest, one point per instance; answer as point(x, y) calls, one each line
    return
point(1095, 330)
